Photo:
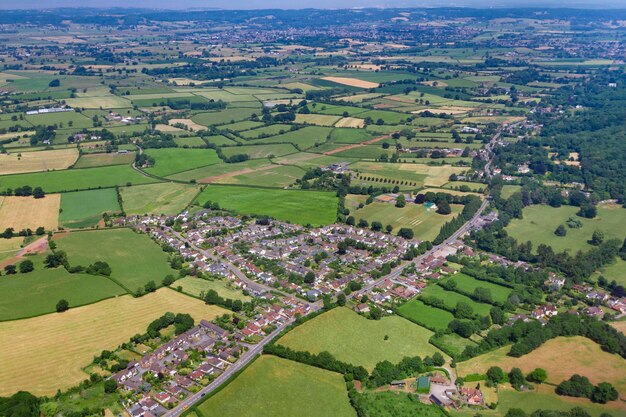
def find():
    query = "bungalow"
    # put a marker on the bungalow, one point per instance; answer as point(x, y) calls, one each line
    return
point(362, 308)
point(596, 312)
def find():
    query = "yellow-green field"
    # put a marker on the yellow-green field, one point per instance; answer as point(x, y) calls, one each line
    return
point(161, 198)
point(30, 213)
point(19, 162)
point(196, 286)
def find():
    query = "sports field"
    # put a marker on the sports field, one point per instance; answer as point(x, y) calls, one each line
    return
point(273, 387)
point(540, 222)
point(162, 198)
point(421, 313)
point(197, 286)
point(134, 258)
point(20, 162)
point(354, 339)
point(30, 213)
point(104, 159)
point(170, 161)
point(288, 205)
point(85, 208)
point(49, 358)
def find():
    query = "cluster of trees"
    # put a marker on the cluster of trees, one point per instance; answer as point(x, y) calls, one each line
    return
point(213, 298)
point(495, 375)
point(25, 191)
point(579, 386)
point(182, 323)
point(42, 134)
point(574, 412)
point(20, 404)
point(472, 204)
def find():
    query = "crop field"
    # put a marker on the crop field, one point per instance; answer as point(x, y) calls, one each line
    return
point(339, 135)
point(424, 222)
point(473, 186)
point(104, 159)
point(191, 142)
point(246, 125)
point(276, 129)
point(85, 208)
point(54, 360)
point(17, 163)
point(451, 298)
point(30, 213)
point(354, 339)
point(170, 161)
point(540, 222)
point(62, 120)
point(197, 286)
point(162, 198)
point(224, 116)
point(189, 123)
point(276, 177)
point(317, 119)
point(277, 387)
point(352, 82)
point(468, 284)
point(76, 179)
point(351, 122)
point(303, 138)
point(209, 173)
point(108, 101)
point(434, 176)
point(219, 140)
point(287, 205)
point(10, 247)
point(260, 151)
point(419, 312)
point(561, 357)
point(134, 258)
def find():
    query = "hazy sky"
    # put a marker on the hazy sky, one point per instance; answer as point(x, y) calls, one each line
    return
point(266, 4)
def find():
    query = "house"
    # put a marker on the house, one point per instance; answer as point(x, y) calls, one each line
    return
point(596, 312)
point(362, 308)
point(472, 396)
point(162, 397)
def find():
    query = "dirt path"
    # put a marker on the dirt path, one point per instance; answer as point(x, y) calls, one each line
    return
point(357, 145)
point(38, 246)
point(216, 178)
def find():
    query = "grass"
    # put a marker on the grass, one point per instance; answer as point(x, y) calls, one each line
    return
point(106, 102)
point(277, 387)
point(17, 163)
point(278, 176)
point(85, 208)
point(104, 325)
point(453, 343)
point(203, 173)
point(30, 213)
point(614, 272)
point(540, 222)
point(287, 205)
point(224, 116)
point(303, 138)
point(170, 161)
point(195, 286)
point(162, 198)
point(260, 151)
point(509, 190)
point(435, 176)
point(61, 120)
point(425, 223)
point(451, 298)
point(134, 258)
point(561, 357)
point(397, 404)
point(76, 179)
point(468, 284)
point(431, 317)
point(192, 142)
point(317, 119)
point(104, 159)
point(354, 339)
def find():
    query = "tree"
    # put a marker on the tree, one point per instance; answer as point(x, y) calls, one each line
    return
point(597, 238)
point(38, 192)
point(341, 299)
point(150, 286)
point(406, 233)
point(389, 228)
point(309, 278)
point(62, 306)
point(420, 199)
point(363, 223)
point(110, 386)
point(10, 269)
point(350, 221)
point(495, 374)
point(576, 386)
point(516, 378)
point(463, 310)
point(437, 359)
point(603, 393)
point(560, 231)
point(168, 280)
point(539, 375)
point(26, 266)
point(377, 226)
point(497, 315)
point(443, 207)
point(400, 201)
point(54, 83)
point(40, 231)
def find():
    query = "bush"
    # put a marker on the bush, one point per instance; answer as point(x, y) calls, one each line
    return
point(62, 306)
point(26, 266)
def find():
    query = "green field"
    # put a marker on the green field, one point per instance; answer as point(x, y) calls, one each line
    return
point(104, 159)
point(85, 208)
point(303, 138)
point(278, 177)
point(273, 387)
point(224, 116)
point(37, 292)
point(134, 258)
point(397, 404)
point(451, 298)
point(287, 205)
point(540, 222)
point(419, 312)
point(468, 284)
point(260, 151)
point(203, 173)
point(354, 339)
point(452, 343)
point(192, 142)
point(614, 272)
point(170, 161)
point(167, 198)
point(509, 190)
point(195, 286)
point(76, 179)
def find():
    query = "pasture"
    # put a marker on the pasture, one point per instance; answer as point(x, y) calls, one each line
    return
point(260, 151)
point(196, 286)
point(317, 119)
point(49, 357)
point(304, 138)
point(273, 386)
point(274, 176)
point(85, 208)
point(62, 120)
point(468, 284)
point(167, 198)
point(224, 116)
point(287, 205)
point(170, 161)
point(354, 339)
point(421, 313)
point(20, 162)
point(104, 159)
point(451, 298)
point(30, 213)
point(134, 258)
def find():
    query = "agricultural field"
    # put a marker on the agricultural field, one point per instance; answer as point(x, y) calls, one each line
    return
point(421, 313)
point(317, 119)
point(304, 138)
point(424, 222)
point(614, 272)
point(85, 208)
point(225, 116)
point(30, 213)
point(274, 176)
point(468, 284)
point(540, 222)
point(10, 247)
point(134, 258)
point(174, 160)
point(260, 151)
point(167, 198)
point(190, 142)
point(21, 162)
point(398, 404)
point(286, 205)
point(261, 391)
point(52, 360)
point(197, 286)
point(451, 298)
point(104, 159)
point(354, 339)
point(434, 176)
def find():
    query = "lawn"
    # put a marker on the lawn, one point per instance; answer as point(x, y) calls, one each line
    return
point(76, 179)
point(273, 387)
point(170, 161)
point(421, 313)
point(104, 159)
point(20, 162)
point(614, 272)
point(451, 298)
point(134, 258)
point(509, 190)
point(85, 208)
point(162, 198)
point(287, 205)
point(468, 284)
point(30, 213)
point(195, 286)
point(540, 222)
point(53, 359)
point(424, 222)
point(354, 339)
point(37, 292)
point(561, 357)
point(398, 404)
